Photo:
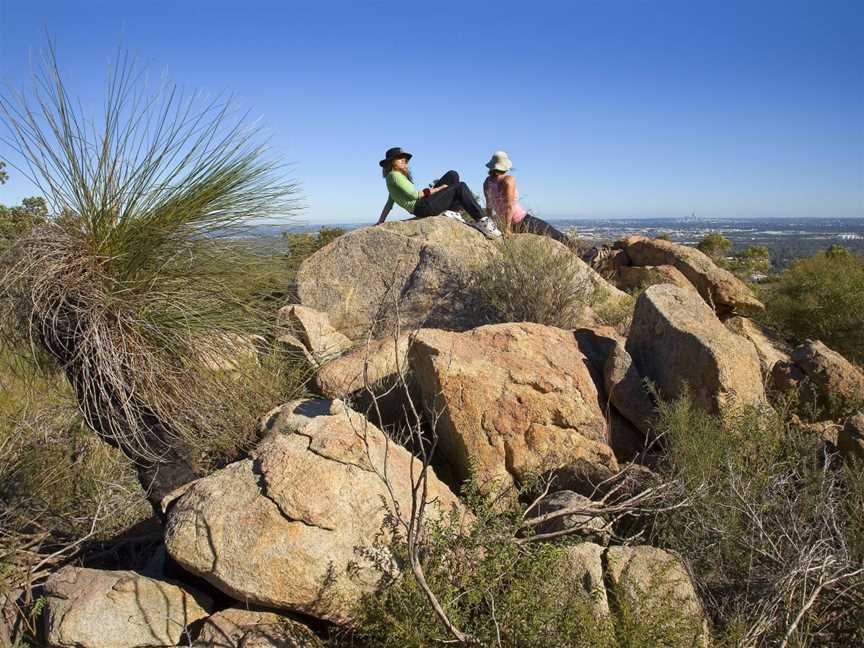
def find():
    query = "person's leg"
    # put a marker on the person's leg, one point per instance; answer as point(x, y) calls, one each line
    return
point(450, 178)
point(464, 199)
point(533, 225)
point(435, 203)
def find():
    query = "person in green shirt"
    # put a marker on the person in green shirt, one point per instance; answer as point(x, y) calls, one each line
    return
point(449, 194)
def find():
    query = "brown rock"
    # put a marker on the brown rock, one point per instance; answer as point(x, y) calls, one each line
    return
point(650, 582)
point(375, 379)
point(721, 289)
point(419, 264)
point(786, 376)
point(851, 437)
point(301, 526)
point(89, 608)
point(769, 347)
point(678, 343)
point(314, 330)
point(247, 628)
point(582, 570)
point(834, 380)
point(514, 399)
point(625, 389)
point(416, 269)
point(636, 277)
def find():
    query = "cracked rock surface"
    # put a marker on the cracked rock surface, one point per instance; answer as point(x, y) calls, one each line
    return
point(90, 608)
point(301, 525)
point(514, 399)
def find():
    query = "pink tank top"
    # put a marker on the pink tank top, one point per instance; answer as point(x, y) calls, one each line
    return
point(495, 189)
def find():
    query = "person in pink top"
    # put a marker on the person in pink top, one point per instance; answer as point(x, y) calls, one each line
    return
point(502, 200)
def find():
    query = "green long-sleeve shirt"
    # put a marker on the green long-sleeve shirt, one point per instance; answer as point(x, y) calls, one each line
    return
point(401, 191)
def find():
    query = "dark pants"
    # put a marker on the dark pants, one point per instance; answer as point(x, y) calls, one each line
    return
point(533, 225)
point(457, 196)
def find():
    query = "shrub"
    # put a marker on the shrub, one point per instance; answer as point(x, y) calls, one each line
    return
point(150, 274)
point(822, 298)
point(771, 533)
point(503, 593)
point(715, 245)
point(532, 281)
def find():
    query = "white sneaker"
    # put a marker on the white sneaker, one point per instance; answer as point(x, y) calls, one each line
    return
point(453, 214)
point(488, 228)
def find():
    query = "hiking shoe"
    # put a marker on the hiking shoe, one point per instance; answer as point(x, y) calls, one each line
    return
point(488, 228)
point(453, 214)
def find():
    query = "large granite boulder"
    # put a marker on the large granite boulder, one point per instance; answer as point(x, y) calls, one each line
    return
point(513, 399)
point(677, 342)
point(89, 608)
point(416, 272)
point(419, 265)
point(254, 628)
point(720, 288)
point(304, 525)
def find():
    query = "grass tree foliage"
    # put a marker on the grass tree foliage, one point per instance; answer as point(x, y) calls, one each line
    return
point(146, 275)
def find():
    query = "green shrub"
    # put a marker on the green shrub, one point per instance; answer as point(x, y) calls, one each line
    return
point(503, 593)
point(822, 298)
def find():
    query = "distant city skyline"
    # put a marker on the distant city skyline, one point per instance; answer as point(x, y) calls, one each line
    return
point(618, 109)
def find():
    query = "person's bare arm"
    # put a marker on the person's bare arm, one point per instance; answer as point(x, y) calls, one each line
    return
point(487, 194)
point(384, 212)
point(510, 195)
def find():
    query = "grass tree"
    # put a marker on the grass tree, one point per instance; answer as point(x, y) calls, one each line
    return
point(145, 287)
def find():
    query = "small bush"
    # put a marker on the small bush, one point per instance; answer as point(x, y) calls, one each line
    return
point(822, 298)
point(532, 281)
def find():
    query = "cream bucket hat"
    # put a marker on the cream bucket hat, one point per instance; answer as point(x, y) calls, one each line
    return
point(499, 161)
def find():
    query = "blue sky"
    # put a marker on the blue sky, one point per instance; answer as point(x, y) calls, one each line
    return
point(608, 108)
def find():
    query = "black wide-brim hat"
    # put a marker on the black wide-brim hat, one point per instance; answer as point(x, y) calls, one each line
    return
point(394, 154)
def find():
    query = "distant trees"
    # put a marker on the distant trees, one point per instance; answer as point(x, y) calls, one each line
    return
point(715, 245)
point(822, 297)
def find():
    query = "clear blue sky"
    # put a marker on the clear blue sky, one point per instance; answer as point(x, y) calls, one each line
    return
point(608, 108)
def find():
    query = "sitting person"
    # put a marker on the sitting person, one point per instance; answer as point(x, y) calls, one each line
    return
point(448, 195)
point(502, 200)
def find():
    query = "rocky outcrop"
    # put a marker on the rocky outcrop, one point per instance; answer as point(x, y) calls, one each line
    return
point(830, 378)
point(419, 265)
point(769, 348)
point(626, 390)
point(652, 583)
point(374, 377)
point(513, 399)
point(253, 628)
point(416, 272)
point(850, 440)
point(88, 608)
point(302, 526)
point(678, 343)
point(720, 288)
point(314, 331)
point(637, 277)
